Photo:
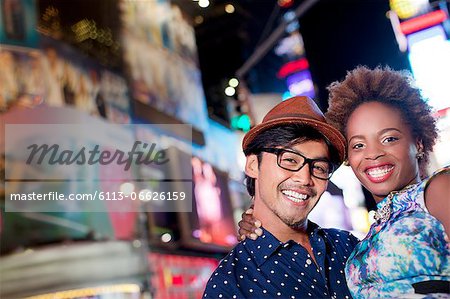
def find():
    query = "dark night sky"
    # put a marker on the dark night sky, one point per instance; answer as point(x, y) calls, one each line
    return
point(338, 36)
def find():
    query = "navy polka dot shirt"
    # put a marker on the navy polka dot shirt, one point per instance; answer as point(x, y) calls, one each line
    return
point(268, 268)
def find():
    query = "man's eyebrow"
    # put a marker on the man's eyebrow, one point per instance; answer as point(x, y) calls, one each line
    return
point(315, 158)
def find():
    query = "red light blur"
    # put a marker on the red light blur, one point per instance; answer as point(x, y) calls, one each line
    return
point(292, 67)
point(423, 21)
point(285, 3)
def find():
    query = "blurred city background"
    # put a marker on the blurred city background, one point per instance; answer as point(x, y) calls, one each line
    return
point(124, 70)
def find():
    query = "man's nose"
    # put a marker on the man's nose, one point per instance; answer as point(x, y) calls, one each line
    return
point(303, 175)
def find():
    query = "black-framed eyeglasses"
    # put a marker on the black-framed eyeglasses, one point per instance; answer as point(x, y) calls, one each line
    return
point(293, 161)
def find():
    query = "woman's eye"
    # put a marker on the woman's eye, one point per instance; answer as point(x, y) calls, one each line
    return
point(390, 139)
point(357, 146)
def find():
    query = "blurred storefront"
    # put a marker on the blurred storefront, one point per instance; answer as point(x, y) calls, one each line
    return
point(121, 71)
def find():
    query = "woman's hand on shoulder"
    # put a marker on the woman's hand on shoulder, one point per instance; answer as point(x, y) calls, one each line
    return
point(249, 226)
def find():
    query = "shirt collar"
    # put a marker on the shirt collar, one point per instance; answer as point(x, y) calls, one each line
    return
point(267, 244)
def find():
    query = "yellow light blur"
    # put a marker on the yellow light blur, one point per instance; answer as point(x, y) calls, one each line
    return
point(361, 219)
point(203, 3)
point(233, 82)
point(230, 91)
point(198, 20)
point(407, 8)
point(229, 8)
point(166, 238)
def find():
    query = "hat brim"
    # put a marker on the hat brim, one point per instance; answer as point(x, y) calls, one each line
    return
point(331, 133)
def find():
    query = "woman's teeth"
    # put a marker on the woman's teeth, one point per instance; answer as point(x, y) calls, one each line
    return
point(294, 196)
point(379, 172)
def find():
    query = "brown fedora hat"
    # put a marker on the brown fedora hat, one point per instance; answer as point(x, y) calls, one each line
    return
point(298, 110)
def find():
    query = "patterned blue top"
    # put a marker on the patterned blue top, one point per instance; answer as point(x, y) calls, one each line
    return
point(268, 268)
point(407, 248)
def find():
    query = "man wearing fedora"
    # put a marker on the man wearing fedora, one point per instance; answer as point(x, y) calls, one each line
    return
point(290, 157)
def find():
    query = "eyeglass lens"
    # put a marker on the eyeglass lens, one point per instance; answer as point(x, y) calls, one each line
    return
point(293, 161)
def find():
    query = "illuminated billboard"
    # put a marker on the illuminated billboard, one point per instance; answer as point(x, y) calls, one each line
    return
point(429, 56)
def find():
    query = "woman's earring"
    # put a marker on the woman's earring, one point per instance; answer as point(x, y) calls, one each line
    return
point(346, 162)
point(420, 154)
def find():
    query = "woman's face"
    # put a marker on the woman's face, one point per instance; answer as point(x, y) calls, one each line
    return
point(381, 149)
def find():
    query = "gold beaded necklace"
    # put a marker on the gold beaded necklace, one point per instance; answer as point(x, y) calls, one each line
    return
point(383, 213)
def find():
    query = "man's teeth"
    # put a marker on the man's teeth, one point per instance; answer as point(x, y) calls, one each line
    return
point(379, 172)
point(294, 196)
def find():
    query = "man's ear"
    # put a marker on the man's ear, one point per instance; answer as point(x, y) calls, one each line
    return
point(251, 166)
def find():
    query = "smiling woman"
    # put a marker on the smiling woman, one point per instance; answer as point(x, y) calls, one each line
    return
point(390, 132)
point(381, 149)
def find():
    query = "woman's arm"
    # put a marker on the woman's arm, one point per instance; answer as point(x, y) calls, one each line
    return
point(437, 199)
